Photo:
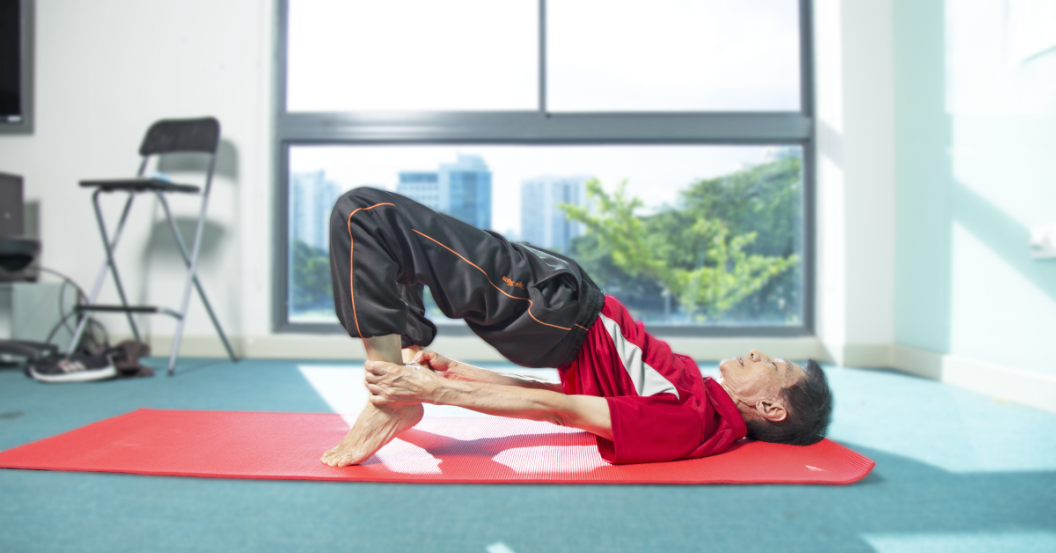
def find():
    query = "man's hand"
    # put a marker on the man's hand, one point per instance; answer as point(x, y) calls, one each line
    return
point(391, 384)
point(444, 367)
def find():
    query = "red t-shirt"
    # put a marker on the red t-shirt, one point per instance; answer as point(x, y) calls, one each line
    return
point(662, 408)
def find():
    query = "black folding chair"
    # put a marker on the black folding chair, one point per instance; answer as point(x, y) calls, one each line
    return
point(200, 136)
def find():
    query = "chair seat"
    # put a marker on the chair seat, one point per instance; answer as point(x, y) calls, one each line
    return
point(119, 308)
point(139, 185)
point(146, 309)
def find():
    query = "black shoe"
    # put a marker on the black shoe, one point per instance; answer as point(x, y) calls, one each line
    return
point(75, 368)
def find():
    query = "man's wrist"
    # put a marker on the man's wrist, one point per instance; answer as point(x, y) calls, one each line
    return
point(445, 391)
point(456, 367)
point(456, 370)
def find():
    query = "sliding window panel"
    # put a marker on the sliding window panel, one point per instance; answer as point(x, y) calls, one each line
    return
point(412, 55)
point(673, 55)
point(699, 236)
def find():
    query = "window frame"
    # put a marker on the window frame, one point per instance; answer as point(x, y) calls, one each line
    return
point(541, 127)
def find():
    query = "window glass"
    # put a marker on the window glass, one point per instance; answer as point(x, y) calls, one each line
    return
point(673, 55)
point(356, 55)
point(714, 235)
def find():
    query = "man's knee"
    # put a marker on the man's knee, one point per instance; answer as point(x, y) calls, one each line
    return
point(349, 202)
point(361, 197)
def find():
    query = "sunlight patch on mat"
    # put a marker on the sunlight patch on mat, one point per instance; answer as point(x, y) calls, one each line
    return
point(482, 430)
point(405, 458)
point(966, 542)
point(551, 459)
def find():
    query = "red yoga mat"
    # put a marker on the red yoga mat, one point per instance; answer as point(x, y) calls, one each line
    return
point(439, 450)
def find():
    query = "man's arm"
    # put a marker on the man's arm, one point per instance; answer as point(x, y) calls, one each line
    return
point(456, 370)
point(400, 384)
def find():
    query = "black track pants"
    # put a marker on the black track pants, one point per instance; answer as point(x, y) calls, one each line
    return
point(532, 305)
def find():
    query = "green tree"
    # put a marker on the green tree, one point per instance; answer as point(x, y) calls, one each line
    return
point(722, 252)
point(766, 199)
point(310, 283)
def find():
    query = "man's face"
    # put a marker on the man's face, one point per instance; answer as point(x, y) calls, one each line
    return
point(756, 378)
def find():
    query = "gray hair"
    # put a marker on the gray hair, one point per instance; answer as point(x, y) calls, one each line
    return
point(809, 407)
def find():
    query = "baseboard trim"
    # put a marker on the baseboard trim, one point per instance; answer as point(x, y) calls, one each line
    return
point(858, 356)
point(1020, 386)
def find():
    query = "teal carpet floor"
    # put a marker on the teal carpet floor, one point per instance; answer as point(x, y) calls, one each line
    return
point(955, 471)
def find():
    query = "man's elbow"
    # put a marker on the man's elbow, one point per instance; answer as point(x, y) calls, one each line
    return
point(560, 418)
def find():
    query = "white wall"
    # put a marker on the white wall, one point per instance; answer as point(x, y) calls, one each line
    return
point(855, 182)
point(975, 87)
point(105, 70)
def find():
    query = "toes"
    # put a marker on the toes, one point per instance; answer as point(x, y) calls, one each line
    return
point(329, 458)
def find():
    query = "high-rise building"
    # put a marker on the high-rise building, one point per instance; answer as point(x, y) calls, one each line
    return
point(543, 223)
point(464, 191)
point(421, 186)
point(312, 198)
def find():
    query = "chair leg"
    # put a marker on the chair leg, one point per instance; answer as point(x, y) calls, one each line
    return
point(110, 257)
point(101, 275)
point(197, 282)
point(191, 271)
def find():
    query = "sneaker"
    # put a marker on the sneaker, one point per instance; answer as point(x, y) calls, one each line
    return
point(75, 368)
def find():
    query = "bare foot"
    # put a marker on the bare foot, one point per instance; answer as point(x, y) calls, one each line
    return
point(376, 426)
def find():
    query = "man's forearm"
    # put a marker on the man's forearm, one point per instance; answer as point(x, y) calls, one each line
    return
point(468, 373)
point(588, 413)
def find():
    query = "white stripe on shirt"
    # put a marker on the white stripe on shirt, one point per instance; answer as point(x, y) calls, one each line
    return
point(647, 380)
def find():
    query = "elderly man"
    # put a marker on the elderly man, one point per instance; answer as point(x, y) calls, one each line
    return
point(538, 309)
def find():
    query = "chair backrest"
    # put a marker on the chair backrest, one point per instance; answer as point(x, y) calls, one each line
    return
point(181, 135)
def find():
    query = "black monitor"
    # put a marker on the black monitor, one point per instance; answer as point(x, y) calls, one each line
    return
point(16, 58)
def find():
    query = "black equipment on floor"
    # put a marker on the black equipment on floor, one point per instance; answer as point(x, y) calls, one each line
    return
point(16, 253)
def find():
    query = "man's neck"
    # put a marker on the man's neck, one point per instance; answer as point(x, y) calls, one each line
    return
point(727, 390)
point(737, 402)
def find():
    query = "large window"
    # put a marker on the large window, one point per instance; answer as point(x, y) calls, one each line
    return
point(663, 145)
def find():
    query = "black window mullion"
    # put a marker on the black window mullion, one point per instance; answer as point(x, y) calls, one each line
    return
point(542, 56)
point(599, 128)
point(806, 57)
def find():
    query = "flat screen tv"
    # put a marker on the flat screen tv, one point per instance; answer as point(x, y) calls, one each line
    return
point(15, 65)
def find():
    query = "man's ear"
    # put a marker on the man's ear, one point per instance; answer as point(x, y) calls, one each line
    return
point(773, 411)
